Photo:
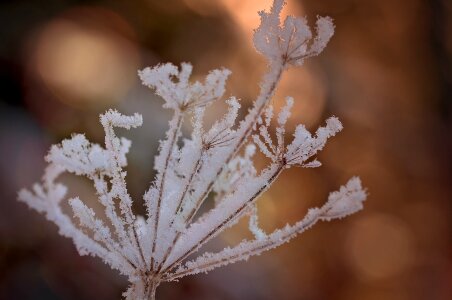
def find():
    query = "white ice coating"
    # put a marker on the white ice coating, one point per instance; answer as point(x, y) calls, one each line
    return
point(214, 160)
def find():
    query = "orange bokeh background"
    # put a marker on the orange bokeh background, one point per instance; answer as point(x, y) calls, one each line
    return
point(386, 74)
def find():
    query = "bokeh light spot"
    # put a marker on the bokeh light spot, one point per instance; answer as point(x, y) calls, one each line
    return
point(379, 246)
point(85, 64)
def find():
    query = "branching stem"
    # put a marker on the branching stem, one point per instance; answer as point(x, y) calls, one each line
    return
point(172, 141)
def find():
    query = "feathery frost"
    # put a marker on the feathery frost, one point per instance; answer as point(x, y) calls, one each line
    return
point(154, 248)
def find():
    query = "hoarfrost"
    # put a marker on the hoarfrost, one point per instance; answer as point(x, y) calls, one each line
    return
point(154, 248)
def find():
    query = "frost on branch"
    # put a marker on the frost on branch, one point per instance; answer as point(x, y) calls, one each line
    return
point(215, 160)
point(290, 41)
point(347, 200)
point(173, 85)
point(304, 145)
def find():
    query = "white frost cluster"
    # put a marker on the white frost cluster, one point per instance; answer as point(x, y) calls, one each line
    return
point(216, 160)
point(291, 41)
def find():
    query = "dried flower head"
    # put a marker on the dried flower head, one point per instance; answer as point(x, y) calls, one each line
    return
point(154, 248)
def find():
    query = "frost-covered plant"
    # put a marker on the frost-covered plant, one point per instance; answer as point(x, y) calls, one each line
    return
point(154, 249)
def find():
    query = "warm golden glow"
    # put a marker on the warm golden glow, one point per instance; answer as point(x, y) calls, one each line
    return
point(380, 246)
point(85, 65)
point(309, 95)
point(245, 12)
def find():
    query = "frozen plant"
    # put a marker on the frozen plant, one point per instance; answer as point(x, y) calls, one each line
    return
point(154, 248)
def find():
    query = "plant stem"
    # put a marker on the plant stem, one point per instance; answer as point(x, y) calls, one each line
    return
point(151, 289)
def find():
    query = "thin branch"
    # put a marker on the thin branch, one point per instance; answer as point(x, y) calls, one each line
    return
point(172, 141)
point(179, 206)
point(244, 250)
point(245, 130)
point(229, 219)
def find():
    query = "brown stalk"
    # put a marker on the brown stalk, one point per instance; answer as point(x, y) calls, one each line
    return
point(214, 232)
point(265, 245)
point(173, 136)
point(267, 95)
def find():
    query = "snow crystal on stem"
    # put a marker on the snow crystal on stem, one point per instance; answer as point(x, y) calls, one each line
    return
point(216, 160)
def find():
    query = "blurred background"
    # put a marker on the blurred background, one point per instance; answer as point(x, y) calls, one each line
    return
point(386, 74)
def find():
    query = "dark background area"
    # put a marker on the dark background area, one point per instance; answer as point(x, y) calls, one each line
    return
point(386, 74)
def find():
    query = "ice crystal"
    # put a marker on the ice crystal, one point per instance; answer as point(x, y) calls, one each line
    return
point(154, 248)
